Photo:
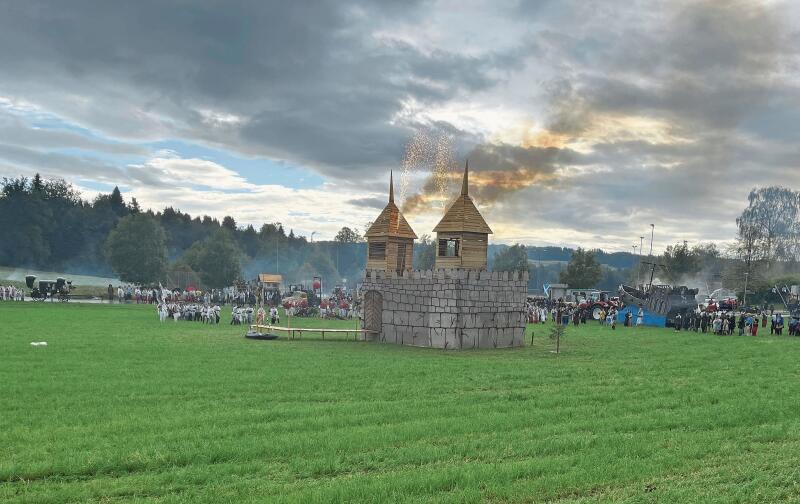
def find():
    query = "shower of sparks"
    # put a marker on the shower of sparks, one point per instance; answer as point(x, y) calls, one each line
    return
point(413, 160)
point(443, 165)
point(432, 154)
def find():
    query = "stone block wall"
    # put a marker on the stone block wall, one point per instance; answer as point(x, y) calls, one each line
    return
point(450, 308)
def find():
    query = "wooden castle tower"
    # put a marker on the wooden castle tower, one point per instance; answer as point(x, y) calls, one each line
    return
point(390, 239)
point(462, 236)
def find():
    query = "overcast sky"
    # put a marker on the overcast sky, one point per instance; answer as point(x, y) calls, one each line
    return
point(583, 122)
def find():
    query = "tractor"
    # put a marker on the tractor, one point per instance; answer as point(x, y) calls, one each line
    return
point(598, 301)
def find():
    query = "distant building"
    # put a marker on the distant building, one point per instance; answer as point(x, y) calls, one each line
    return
point(557, 291)
point(462, 236)
point(268, 281)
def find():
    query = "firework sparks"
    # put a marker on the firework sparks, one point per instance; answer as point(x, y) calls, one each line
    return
point(430, 154)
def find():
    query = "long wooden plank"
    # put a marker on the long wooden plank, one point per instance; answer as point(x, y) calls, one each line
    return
point(311, 329)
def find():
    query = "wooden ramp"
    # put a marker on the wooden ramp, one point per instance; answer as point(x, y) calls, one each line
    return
point(300, 330)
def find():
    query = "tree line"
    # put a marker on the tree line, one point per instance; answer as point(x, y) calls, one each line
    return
point(47, 225)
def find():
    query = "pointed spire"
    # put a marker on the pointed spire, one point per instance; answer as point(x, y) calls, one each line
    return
point(465, 184)
point(391, 187)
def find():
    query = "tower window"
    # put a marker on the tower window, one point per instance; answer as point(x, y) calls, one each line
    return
point(448, 247)
point(377, 250)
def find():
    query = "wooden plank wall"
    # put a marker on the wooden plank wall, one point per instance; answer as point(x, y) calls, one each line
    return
point(472, 251)
point(375, 263)
point(474, 248)
point(389, 263)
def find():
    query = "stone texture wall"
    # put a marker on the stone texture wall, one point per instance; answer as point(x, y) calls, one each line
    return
point(450, 309)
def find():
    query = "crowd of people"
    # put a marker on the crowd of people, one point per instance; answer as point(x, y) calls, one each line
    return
point(133, 293)
point(205, 313)
point(11, 293)
point(152, 295)
point(728, 323)
point(720, 323)
point(340, 305)
point(542, 310)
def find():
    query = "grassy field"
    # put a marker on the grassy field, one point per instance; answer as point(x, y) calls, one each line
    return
point(118, 408)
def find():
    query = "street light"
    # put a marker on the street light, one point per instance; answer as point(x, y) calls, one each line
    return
point(312, 236)
point(744, 301)
point(637, 269)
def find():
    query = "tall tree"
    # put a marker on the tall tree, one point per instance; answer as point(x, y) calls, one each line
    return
point(137, 249)
point(217, 259)
point(769, 227)
point(117, 203)
point(229, 223)
point(514, 258)
point(583, 270)
point(347, 235)
point(680, 261)
point(36, 183)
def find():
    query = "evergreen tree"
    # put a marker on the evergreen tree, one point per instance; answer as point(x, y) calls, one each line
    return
point(36, 184)
point(117, 203)
point(228, 223)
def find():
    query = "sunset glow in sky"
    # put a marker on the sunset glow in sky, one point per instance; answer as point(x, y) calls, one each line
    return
point(583, 122)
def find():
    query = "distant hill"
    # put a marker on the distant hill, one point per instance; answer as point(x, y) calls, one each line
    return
point(544, 255)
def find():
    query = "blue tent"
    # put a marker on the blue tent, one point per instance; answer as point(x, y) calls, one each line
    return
point(650, 319)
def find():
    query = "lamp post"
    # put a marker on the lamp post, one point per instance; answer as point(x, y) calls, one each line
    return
point(637, 269)
point(312, 236)
point(744, 300)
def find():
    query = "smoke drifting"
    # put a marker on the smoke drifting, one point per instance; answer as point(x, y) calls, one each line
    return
point(496, 170)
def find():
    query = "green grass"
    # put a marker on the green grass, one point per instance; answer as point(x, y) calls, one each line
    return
point(119, 408)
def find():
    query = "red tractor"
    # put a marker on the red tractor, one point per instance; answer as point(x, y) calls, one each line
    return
point(723, 305)
point(598, 301)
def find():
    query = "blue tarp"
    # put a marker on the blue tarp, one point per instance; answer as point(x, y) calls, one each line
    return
point(650, 319)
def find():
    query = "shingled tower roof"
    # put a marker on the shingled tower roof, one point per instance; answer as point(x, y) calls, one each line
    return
point(391, 222)
point(462, 215)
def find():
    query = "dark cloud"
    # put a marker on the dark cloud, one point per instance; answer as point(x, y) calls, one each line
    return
point(19, 132)
point(305, 81)
point(60, 165)
point(665, 110)
point(376, 203)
